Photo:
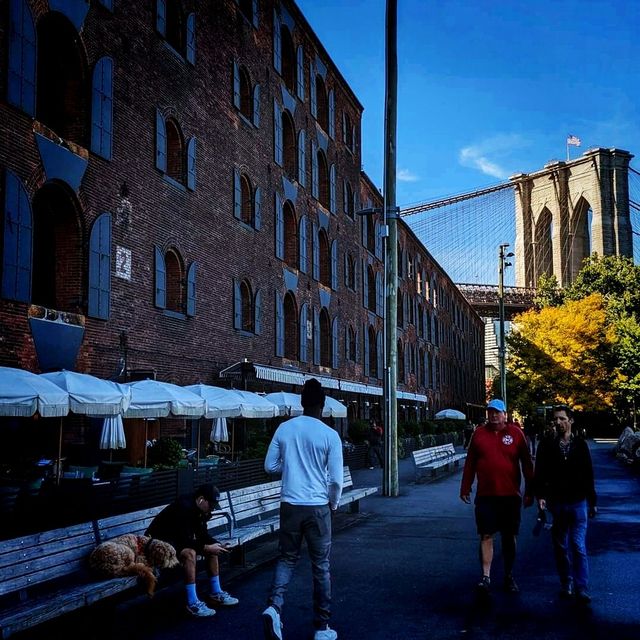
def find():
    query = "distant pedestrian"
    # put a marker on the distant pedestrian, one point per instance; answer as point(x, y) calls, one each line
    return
point(467, 432)
point(531, 433)
point(308, 453)
point(497, 457)
point(564, 485)
point(374, 437)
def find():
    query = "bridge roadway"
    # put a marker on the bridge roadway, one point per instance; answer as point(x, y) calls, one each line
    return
point(484, 299)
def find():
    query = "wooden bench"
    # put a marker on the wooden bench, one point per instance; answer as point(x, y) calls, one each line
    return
point(256, 510)
point(427, 462)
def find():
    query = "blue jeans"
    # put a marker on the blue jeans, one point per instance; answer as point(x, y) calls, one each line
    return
point(569, 536)
point(313, 524)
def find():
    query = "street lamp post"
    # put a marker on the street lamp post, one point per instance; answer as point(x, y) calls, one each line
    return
point(502, 265)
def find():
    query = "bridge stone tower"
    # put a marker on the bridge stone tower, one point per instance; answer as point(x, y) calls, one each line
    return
point(570, 210)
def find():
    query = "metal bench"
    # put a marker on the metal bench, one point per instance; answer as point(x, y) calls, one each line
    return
point(427, 462)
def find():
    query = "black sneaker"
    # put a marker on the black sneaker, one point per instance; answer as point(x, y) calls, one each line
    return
point(484, 586)
point(271, 623)
point(510, 585)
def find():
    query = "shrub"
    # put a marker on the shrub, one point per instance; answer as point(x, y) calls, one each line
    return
point(166, 453)
point(358, 431)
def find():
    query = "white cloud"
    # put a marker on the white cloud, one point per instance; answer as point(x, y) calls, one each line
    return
point(487, 154)
point(404, 175)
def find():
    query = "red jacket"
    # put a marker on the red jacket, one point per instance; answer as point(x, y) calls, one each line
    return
point(496, 459)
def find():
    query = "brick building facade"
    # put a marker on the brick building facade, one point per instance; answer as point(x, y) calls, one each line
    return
point(180, 181)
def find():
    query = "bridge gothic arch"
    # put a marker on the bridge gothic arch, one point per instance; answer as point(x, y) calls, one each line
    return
point(570, 210)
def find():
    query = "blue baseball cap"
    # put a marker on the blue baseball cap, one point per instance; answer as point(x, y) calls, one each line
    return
point(498, 405)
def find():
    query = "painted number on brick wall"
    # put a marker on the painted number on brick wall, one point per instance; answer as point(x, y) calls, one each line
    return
point(123, 263)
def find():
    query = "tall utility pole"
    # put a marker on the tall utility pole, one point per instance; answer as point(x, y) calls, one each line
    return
point(390, 485)
point(502, 255)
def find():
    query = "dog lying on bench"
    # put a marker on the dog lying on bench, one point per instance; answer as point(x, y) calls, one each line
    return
point(133, 555)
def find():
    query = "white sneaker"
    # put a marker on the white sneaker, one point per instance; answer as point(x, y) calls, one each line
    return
point(272, 623)
point(325, 634)
point(222, 599)
point(200, 610)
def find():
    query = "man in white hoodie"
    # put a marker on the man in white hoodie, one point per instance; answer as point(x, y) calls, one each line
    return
point(308, 453)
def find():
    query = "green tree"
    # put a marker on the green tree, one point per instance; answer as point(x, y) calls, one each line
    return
point(548, 292)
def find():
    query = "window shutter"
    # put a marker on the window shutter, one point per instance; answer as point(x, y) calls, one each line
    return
point(334, 265)
point(366, 350)
point(345, 204)
point(237, 305)
point(277, 133)
point(378, 240)
point(161, 280)
point(303, 244)
point(257, 208)
point(315, 251)
point(108, 4)
point(407, 361)
point(21, 81)
point(365, 229)
point(315, 189)
point(102, 108)
point(379, 296)
point(161, 17)
point(191, 289)
point(405, 310)
point(346, 270)
point(356, 203)
point(236, 85)
point(379, 350)
point(279, 228)
point(332, 188)
point(191, 164)
point(257, 309)
point(365, 285)
point(332, 115)
point(191, 38)
point(312, 90)
point(161, 142)
point(316, 336)
point(357, 354)
point(100, 268)
point(18, 241)
point(303, 333)
point(255, 14)
point(279, 325)
point(300, 72)
point(277, 43)
point(353, 138)
point(237, 195)
point(302, 159)
point(256, 106)
point(335, 356)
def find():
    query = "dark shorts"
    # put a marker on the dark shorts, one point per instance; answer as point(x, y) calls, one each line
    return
point(498, 513)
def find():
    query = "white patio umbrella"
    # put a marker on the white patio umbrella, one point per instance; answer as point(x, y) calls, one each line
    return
point(333, 408)
point(219, 431)
point(112, 436)
point(288, 402)
point(22, 394)
point(89, 395)
point(156, 399)
point(451, 414)
point(253, 405)
point(219, 402)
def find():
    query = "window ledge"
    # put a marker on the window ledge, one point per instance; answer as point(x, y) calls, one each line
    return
point(173, 182)
point(174, 314)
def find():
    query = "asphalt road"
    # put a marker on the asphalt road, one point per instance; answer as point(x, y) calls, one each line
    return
point(406, 568)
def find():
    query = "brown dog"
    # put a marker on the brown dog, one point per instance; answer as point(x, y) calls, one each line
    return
point(133, 555)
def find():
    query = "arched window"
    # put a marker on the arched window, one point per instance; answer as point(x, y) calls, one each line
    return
point(174, 29)
point(290, 235)
point(246, 100)
point(351, 344)
point(350, 272)
point(324, 250)
point(174, 281)
point(62, 76)
point(246, 306)
point(400, 311)
point(290, 327)
point(289, 145)
point(246, 202)
point(348, 199)
point(323, 180)
point(347, 131)
point(175, 151)
point(288, 59)
point(373, 353)
point(371, 289)
point(56, 276)
point(325, 339)
point(401, 371)
point(322, 103)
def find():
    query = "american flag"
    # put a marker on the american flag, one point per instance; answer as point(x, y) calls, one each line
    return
point(573, 140)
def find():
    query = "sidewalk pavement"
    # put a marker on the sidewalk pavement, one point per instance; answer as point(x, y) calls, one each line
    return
point(406, 567)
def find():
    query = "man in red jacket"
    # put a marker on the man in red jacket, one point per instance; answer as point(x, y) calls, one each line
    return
point(497, 456)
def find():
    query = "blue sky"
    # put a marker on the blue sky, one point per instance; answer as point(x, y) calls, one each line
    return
point(487, 89)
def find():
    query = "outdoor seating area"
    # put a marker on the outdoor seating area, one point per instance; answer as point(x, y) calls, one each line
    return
point(430, 461)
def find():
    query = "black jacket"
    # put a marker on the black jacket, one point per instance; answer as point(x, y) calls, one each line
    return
point(182, 525)
point(560, 480)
